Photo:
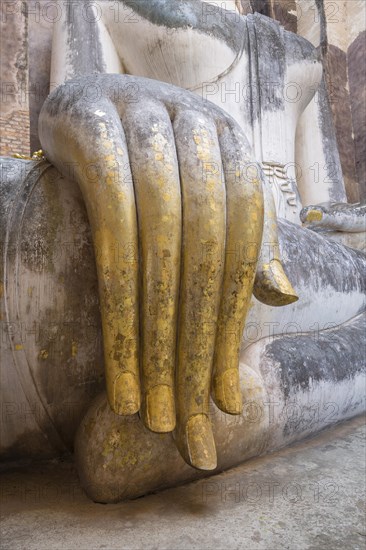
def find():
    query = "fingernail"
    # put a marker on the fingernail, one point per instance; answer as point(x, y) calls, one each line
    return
point(160, 409)
point(227, 392)
point(287, 294)
point(126, 394)
point(201, 443)
point(313, 215)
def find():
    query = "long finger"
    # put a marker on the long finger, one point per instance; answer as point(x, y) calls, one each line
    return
point(244, 199)
point(93, 142)
point(204, 213)
point(157, 187)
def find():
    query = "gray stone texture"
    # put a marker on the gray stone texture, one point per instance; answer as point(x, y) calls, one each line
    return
point(41, 15)
point(335, 64)
point(310, 496)
point(357, 83)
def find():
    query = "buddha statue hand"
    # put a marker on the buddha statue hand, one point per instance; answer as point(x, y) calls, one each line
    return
point(335, 217)
point(175, 203)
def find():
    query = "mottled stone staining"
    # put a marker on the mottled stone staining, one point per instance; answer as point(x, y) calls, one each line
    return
point(320, 16)
point(330, 356)
point(357, 84)
point(84, 42)
point(335, 64)
point(336, 217)
point(332, 261)
point(259, 6)
point(174, 14)
point(284, 11)
point(40, 28)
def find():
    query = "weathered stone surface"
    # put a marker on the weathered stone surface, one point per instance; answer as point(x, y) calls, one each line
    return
point(336, 290)
point(292, 372)
point(41, 17)
point(309, 495)
point(58, 336)
point(352, 240)
point(337, 217)
point(291, 387)
point(189, 298)
point(51, 349)
point(337, 83)
point(284, 11)
point(357, 83)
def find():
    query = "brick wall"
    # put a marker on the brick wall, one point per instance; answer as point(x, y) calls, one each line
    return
point(15, 134)
point(14, 79)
